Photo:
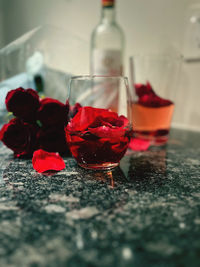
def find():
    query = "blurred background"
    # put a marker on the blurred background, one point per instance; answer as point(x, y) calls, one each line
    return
point(151, 27)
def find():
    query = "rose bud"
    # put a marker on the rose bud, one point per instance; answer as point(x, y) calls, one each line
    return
point(23, 103)
point(19, 136)
point(52, 112)
point(53, 140)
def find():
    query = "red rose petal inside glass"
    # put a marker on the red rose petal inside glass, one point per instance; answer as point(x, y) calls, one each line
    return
point(154, 101)
point(121, 146)
point(104, 132)
point(144, 89)
point(73, 109)
point(148, 98)
point(47, 161)
point(137, 144)
point(92, 117)
point(98, 138)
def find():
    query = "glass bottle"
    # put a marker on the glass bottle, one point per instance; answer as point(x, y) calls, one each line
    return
point(107, 43)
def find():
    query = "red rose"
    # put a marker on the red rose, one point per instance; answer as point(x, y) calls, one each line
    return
point(52, 112)
point(148, 98)
point(53, 140)
point(97, 136)
point(23, 103)
point(19, 136)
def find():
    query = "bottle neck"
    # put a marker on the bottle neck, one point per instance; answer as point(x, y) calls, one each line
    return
point(108, 15)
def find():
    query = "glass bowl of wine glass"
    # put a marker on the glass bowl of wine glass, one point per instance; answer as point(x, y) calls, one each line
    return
point(100, 120)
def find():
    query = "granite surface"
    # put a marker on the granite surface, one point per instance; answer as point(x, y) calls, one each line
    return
point(144, 213)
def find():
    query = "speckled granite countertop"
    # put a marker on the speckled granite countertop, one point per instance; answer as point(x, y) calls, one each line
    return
point(145, 213)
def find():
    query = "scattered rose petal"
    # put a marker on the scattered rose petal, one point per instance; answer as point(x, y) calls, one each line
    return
point(138, 144)
point(45, 161)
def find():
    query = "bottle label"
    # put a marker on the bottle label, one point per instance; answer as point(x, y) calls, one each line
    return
point(108, 3)
point(107, 62)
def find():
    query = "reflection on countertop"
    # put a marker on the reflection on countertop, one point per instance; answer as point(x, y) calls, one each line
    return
point(144, 213)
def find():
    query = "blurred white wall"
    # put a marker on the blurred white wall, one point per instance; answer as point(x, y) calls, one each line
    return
point(150, 26)
point(1, 25)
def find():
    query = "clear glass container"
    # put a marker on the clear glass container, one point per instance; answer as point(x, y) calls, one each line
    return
point(99, 131)
point(107, 44)
point(154, 82)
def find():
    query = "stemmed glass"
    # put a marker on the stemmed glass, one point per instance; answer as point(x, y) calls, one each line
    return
point(100, 124)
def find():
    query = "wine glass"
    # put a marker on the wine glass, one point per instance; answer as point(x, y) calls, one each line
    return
point(100, 124)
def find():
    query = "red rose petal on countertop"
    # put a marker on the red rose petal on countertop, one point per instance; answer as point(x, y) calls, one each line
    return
point(45, 161)
point(137, 144)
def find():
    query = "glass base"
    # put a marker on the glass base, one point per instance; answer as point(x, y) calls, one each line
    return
point(103, 166)
point(156, 138)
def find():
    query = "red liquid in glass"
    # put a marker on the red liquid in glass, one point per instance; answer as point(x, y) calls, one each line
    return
point(93, 152)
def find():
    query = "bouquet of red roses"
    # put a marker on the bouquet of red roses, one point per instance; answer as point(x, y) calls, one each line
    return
point(37, 123)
